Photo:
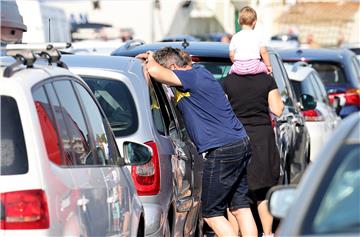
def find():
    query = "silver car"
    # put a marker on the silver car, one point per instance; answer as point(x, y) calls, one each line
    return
point(61, 173)
point(142, 110)
point(326, 202)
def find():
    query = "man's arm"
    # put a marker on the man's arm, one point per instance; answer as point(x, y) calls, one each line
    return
point(158, 72)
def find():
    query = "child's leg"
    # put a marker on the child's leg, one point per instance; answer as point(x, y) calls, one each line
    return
point(248, 67)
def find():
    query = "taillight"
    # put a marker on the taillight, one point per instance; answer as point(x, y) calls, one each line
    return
point(312, 115)
point(24, 210)
point(147, 177)
point(351, 96)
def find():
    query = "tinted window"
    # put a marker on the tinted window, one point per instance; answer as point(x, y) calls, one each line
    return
point(48, 125)
point(76, 142)
point(96, 120)
point(279, 76)
point(156, 110)
point(13, 148)
point(219, 69)
point(336, 207)
point(356, 67)
point(117, 103)
point(330, 73)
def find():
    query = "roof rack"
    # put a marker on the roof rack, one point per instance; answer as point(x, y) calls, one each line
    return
point(133, 43)
point(27, 54)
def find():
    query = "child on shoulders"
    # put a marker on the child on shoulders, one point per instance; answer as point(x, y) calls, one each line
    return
point(247, 48)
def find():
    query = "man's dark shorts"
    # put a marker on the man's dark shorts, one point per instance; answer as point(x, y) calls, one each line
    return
point(224, 182)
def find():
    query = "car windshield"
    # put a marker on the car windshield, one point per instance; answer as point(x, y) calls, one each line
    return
point(331, 73)
point(337, 208)
point(13, 149)
point(117, 103)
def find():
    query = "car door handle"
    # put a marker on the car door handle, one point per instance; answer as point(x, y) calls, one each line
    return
point(82, 202)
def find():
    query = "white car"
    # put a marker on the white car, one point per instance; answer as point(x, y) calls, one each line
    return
point(61, 173)
point(321, 120)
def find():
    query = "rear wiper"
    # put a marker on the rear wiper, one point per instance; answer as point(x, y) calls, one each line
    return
point(118, 124)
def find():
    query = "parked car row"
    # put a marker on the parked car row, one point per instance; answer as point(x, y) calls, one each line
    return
point(99, 148)
point(292, 136)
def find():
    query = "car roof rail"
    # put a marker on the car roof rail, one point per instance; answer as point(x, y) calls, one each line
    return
point(296, 65)
point(27, 54)
point(133, 43)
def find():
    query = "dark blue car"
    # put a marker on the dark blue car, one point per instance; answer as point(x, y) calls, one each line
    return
point(339, 70)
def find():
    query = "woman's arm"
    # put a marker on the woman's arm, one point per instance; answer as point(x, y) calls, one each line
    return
point(275, 102)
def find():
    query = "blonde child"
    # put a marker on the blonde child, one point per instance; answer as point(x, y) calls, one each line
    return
point(247, 48)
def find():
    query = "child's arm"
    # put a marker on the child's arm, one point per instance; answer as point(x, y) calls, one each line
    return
point(265, 57)
point(232, 55)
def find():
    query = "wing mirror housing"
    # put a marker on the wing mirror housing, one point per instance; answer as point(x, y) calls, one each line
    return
point(280, 198)
point(136, 153)
point(307, 102)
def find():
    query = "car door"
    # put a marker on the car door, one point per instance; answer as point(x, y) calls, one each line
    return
point(181, 160)
point(290, 125)
point(92, 158)
point(192, 162)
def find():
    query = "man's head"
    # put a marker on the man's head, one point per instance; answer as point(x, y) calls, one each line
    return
point(247, 16)
point(172, 58)
point(12, 26)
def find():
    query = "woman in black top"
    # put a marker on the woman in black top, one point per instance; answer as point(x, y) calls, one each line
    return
point(252, 98)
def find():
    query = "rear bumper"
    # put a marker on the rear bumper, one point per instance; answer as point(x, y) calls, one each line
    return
point(154, 220)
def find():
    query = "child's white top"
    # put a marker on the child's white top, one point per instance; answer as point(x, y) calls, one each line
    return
point(246, 44)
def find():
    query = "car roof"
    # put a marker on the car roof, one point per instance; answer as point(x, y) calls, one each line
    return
point(206, 49)
point(298, 73)
point(315, 54)
point(121, 64)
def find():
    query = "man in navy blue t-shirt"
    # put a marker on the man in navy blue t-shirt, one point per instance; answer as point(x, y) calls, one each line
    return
point(216, 132)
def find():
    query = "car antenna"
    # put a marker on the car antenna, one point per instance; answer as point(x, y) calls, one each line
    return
point(49, 30)
point(185, 44)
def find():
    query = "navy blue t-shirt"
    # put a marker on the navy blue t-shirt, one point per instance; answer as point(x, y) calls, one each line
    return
point(207, 113)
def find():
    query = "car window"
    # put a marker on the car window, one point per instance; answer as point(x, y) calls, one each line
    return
point(48, 125)
point(117, 103)
point(336, 208)
point(321, 87)
point(219, 69)
point(156, 110)
point(356, 67)
point(278, 75)
point(72, 123)
point(13, 152)
point(315, 87)
point(104, 152)
point(330, 73)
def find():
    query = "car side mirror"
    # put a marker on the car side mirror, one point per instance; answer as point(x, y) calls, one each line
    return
point(280, 198)
point(136, 153)
point(307, 102)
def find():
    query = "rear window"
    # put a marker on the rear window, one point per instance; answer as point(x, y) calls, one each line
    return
point(117, 103)
point(13, 149)
point(330, 73)
point(219, 69)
